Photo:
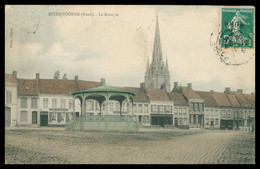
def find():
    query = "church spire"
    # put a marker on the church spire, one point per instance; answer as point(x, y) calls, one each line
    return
point(166, 67)
point(147, 68)
point(157, 51)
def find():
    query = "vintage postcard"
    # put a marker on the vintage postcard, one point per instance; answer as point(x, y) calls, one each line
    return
point(129, 84)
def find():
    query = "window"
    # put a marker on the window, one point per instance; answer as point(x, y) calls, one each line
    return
point(167, 109)
point(8, 96)
point(216, 112)
point(180, 111)
point(62, 103)
point(54, 103)
point(146, 119)
point(207, 121)
point(62, 117)
point(185, 121)
point(240, 115)
point(216, 122)
point(134, 108)
point(201, 106)
point(191, 106)
point(68, 117)
point(212, 121)
point(154, 108)
point(146, 108)
point(53, 117)
point(245, 114)
point(24, 102)
point(211, 112)
point(207, 110)
point(45, 103)
point(223, 113)
point(34, 103)
point(184, 111)
point(140, 108)
point(196, 106)
point(59, 117)
point(175, 111)
point(71, 102)
point(180, 121)
point(111, 106)
point(229, 114)
point(161, 108)
point(23, 117)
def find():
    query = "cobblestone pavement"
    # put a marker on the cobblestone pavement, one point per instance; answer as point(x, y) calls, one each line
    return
point(31, 146)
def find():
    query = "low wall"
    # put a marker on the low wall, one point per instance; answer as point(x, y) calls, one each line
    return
point(106, 126)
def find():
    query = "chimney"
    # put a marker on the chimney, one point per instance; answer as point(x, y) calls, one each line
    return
point(227, 90)
point(15, 74)
point(163, 86)
point(190, 85)
point(142, 85)
point(76, 78)
point(211, 91)
point(103, 81)
point(37, 75)
point(240, 90)
point(175, 84)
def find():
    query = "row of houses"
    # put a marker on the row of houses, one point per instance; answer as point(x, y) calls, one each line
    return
point(47, 102)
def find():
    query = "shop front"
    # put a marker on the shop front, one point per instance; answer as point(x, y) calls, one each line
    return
point(161, 120)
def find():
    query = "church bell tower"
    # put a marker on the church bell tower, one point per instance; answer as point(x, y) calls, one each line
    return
point(157, 74)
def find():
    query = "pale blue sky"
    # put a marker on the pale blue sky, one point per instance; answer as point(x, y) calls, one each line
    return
point(117, 48)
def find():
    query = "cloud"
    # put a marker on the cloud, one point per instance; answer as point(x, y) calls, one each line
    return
point(57, 50)
point(117, 48)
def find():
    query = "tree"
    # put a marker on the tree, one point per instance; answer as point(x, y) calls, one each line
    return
point(64, 77)
point(57, 75)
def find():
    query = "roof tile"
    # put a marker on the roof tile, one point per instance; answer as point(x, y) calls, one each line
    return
point(178, 99)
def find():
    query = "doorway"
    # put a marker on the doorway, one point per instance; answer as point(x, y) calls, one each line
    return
point(34, 117)
point(176, 122)
point(44, 119)
point(7, 116)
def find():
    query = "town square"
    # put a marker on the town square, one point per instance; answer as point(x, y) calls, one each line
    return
point(168, 85)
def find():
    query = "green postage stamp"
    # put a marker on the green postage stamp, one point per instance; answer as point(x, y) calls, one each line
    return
point(237, 27)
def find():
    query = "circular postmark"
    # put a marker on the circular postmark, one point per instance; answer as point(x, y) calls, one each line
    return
point(231, 54)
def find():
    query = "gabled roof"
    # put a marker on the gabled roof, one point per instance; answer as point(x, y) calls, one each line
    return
point(27, 87)
point(250, 98)
point(51, 86)
point(243, 100)
point(10, 79)
point(81, 85)
point(189, 93)
point(157, 95)
point(208, 99)
point(140, 94)
point(178, 99)
point(233, 100)
point(221, 99)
